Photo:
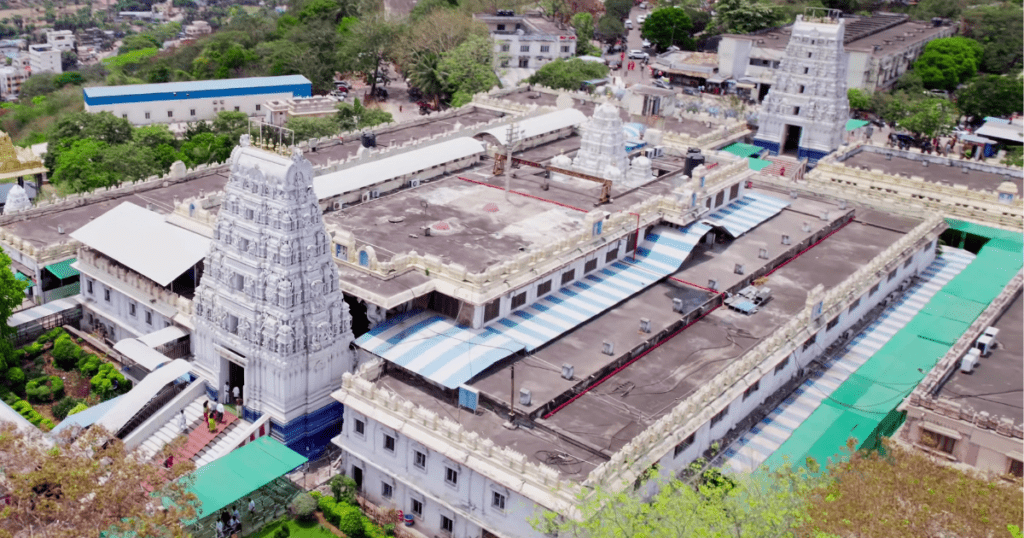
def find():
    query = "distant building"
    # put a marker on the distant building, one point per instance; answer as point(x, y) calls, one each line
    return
point(10, 81)
point(62, 40)
point(198, 28)
point(141, 15)
point(279, 111)
point(878, 50)
point(528, 41)
point(173, 102)
point(44, 59)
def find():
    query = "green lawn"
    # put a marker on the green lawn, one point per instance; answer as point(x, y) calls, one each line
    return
point(311, 529)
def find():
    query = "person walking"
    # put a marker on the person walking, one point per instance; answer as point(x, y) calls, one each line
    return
point(212, 423)
point(237, 393)
point(220, 412)
point(183, 420)
point(252, 507)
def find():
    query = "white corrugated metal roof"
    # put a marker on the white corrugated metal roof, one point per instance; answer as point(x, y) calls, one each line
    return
point(138, 352)
point(36, 312)
point(142, 393)
point(1002, 131)
point(559, 119)
point(364, 175)
point(161, 337)
point(144, 242)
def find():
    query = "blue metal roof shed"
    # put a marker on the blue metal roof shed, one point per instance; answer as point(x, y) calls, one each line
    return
point(297, 85)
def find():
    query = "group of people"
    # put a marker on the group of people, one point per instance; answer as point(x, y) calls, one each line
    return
point(232, 394)
point(212, 418)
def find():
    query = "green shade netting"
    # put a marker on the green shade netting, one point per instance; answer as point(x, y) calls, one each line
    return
point(757, 165)
point(855, 124)
point(740, 149)
point(63, 269)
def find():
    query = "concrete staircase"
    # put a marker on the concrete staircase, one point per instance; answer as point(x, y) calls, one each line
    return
point(223, 443)
point(194, 416)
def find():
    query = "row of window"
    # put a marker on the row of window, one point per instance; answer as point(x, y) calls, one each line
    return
point(526, 48)
point(947, 444)
point(132, 308)
point(192, 112)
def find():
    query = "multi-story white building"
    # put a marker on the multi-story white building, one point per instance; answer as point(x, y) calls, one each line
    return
point(198, 28)
point(279, 111)
point(878, 49)
point(44, 59)
point(11, 78)
point(62, 40)
point(174, 102)
point(528, 41)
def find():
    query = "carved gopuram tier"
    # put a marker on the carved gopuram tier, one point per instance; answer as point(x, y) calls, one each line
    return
point(602, 145)
point(269, 302)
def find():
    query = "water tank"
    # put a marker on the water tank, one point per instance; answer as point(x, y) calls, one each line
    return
point(369, 140)
point(969, 361)
point(694, 158)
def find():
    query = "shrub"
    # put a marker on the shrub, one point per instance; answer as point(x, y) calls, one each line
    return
point(389, 529)
point(316, 495)
point(108, 382)
point(65, 352)
point(48, 337)
point(16, 378)
point(89, 365)
point(329, 507)
point(24, 409)
point(62, 408)
point(350, 521)
point(284, 532)
point(32, 350)
point(302, 506)
point(45, 388)
point(78, 409)
point(344, 489)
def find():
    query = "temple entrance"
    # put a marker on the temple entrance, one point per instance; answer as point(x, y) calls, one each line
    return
point(236, 378)
point(791, 142)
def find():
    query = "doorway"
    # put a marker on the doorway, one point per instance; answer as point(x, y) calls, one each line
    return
point(791, 144)
point(357, 477)
point(236, 378)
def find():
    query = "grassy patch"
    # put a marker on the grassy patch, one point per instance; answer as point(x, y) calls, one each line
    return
point(310, 529)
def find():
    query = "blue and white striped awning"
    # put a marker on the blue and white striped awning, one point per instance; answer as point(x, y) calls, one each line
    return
point(633, 130)
point(742, 215)
point(450, 354)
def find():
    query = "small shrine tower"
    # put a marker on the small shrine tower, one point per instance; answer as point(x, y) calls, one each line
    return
point(805, 112)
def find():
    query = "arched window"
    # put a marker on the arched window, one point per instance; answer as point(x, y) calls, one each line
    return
point(364, 259)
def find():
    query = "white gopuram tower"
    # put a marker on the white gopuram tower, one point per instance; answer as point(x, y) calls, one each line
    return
point(806, 109)
point(269, 315)
point(603, 145)
point(17, 200)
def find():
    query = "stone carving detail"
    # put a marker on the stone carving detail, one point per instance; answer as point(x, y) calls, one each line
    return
point(603, 145)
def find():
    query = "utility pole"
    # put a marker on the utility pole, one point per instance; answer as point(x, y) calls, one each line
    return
point(512, 400)
point(513, 141)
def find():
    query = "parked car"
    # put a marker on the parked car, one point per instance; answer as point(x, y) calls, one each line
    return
point(658, 83)
point(638, 55)
point(640, 19)
point(615, 64)
point(342, 85)
point(643, 5)
point(628, 24)
point(646, 43)
point(691, 91)
point(616, 48)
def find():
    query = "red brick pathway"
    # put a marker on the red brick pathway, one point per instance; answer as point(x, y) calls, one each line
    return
point(201, 436)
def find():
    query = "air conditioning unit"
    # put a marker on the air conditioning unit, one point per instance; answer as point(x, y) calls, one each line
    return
point(366, 197)
point(525, 397)
point(762, 253)
point(608, 348)
point(847, 335)
point(792, 194)
point(375, 194)
point(786, 240)
point(713, 284)
point(842, 204)
point(739, 269)
point(426, 231)
point(414, 183)
point(806, 227)
point(645, 325)
point(677, 305)
point(970, 360)
point(336, 206)
point(568, 371)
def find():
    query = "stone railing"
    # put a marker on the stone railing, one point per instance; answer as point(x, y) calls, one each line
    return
point(147, 288)
point(707, 140)
point(924, 394)
point(539, 482)
point(650, 445)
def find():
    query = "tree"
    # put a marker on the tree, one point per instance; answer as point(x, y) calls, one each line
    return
point(668, 26)
point(306, 128)
point(102, 127)
point(991, 95)
point(610, 29)
point(87, 487)
point(929, 117)
point(618, 8)
point(369, 43)
point(231, 124)
point(357, 116)
point(205, 148)
point(36, 85)
point(12, 293)
point(80, 167)
point(745, 16)
point(131, 162)
point(467, 69)
point(68, 60)
point(151, 136)
point(1000, 30)
point(900, 492)
point(859, 99)
point(948, 61)
point(568, 74)
point(717, 506)
point(583, 23)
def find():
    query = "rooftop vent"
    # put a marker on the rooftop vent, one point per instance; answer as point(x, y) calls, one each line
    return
point(60, 229)
point(645, 325)
point(567, 371)
point(608, 348)
point(525, 397)
point(842, 204)
point(739, 269)
point(792, 194)
point(713, 284)
point(762, 253)
point(677, 305)
point(824, 216)
point(786, 240)
point(806, 226)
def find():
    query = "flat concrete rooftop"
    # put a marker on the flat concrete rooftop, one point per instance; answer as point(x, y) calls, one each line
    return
point(995, 386)
point(41, 230)
point(946, 175)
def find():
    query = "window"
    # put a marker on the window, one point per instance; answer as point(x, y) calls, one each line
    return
point(590, 266)
point(386, 490)
point(447, 525)
point(718, 418)
point(874, 290)
point(149, 318)
point(782, 365)
point(832, 324)
point(684, 445)
point(545, 48)
point(734, 191)
point(192, 112)
point(568, 276)
point(491, 310)
point(501, 27)
point(236, 109)
point(419, 459)
point(497, 501)
point(796, 111)
point(124, 116)
point(565, 48)
point(389, 443)
point(1016, 468)
point(360, 427)
point(451, 476)
point(942, 443)
point(131, 308)
point(801, 89)
point(106, 294)
point(524, 48)
point(909, 261)
point(807, 70)
point(170, 113)
point(518, 300)
point(505, 48)
point(855, 304)
point(751, 389)
point(417, 507)
point(892, 275)
point(544, 288)
point(147, 115)
point(809, 54)
point(612, 255)
point(257, 108)
point(810, 341)
point(88, 286)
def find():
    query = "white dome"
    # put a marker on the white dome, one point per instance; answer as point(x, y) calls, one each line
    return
point(17, 200)
point(641, 161)
point(561, 161)
point(613, 172)
point(606, 111)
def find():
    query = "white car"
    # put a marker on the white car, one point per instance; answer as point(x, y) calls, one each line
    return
point(638, 55)
point(646, 43)
point(640, 19)
point(628, 24)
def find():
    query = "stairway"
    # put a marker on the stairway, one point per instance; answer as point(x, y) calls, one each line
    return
point(226, 441)
point(200, 437)
point(193, 415)
point(778, 165)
